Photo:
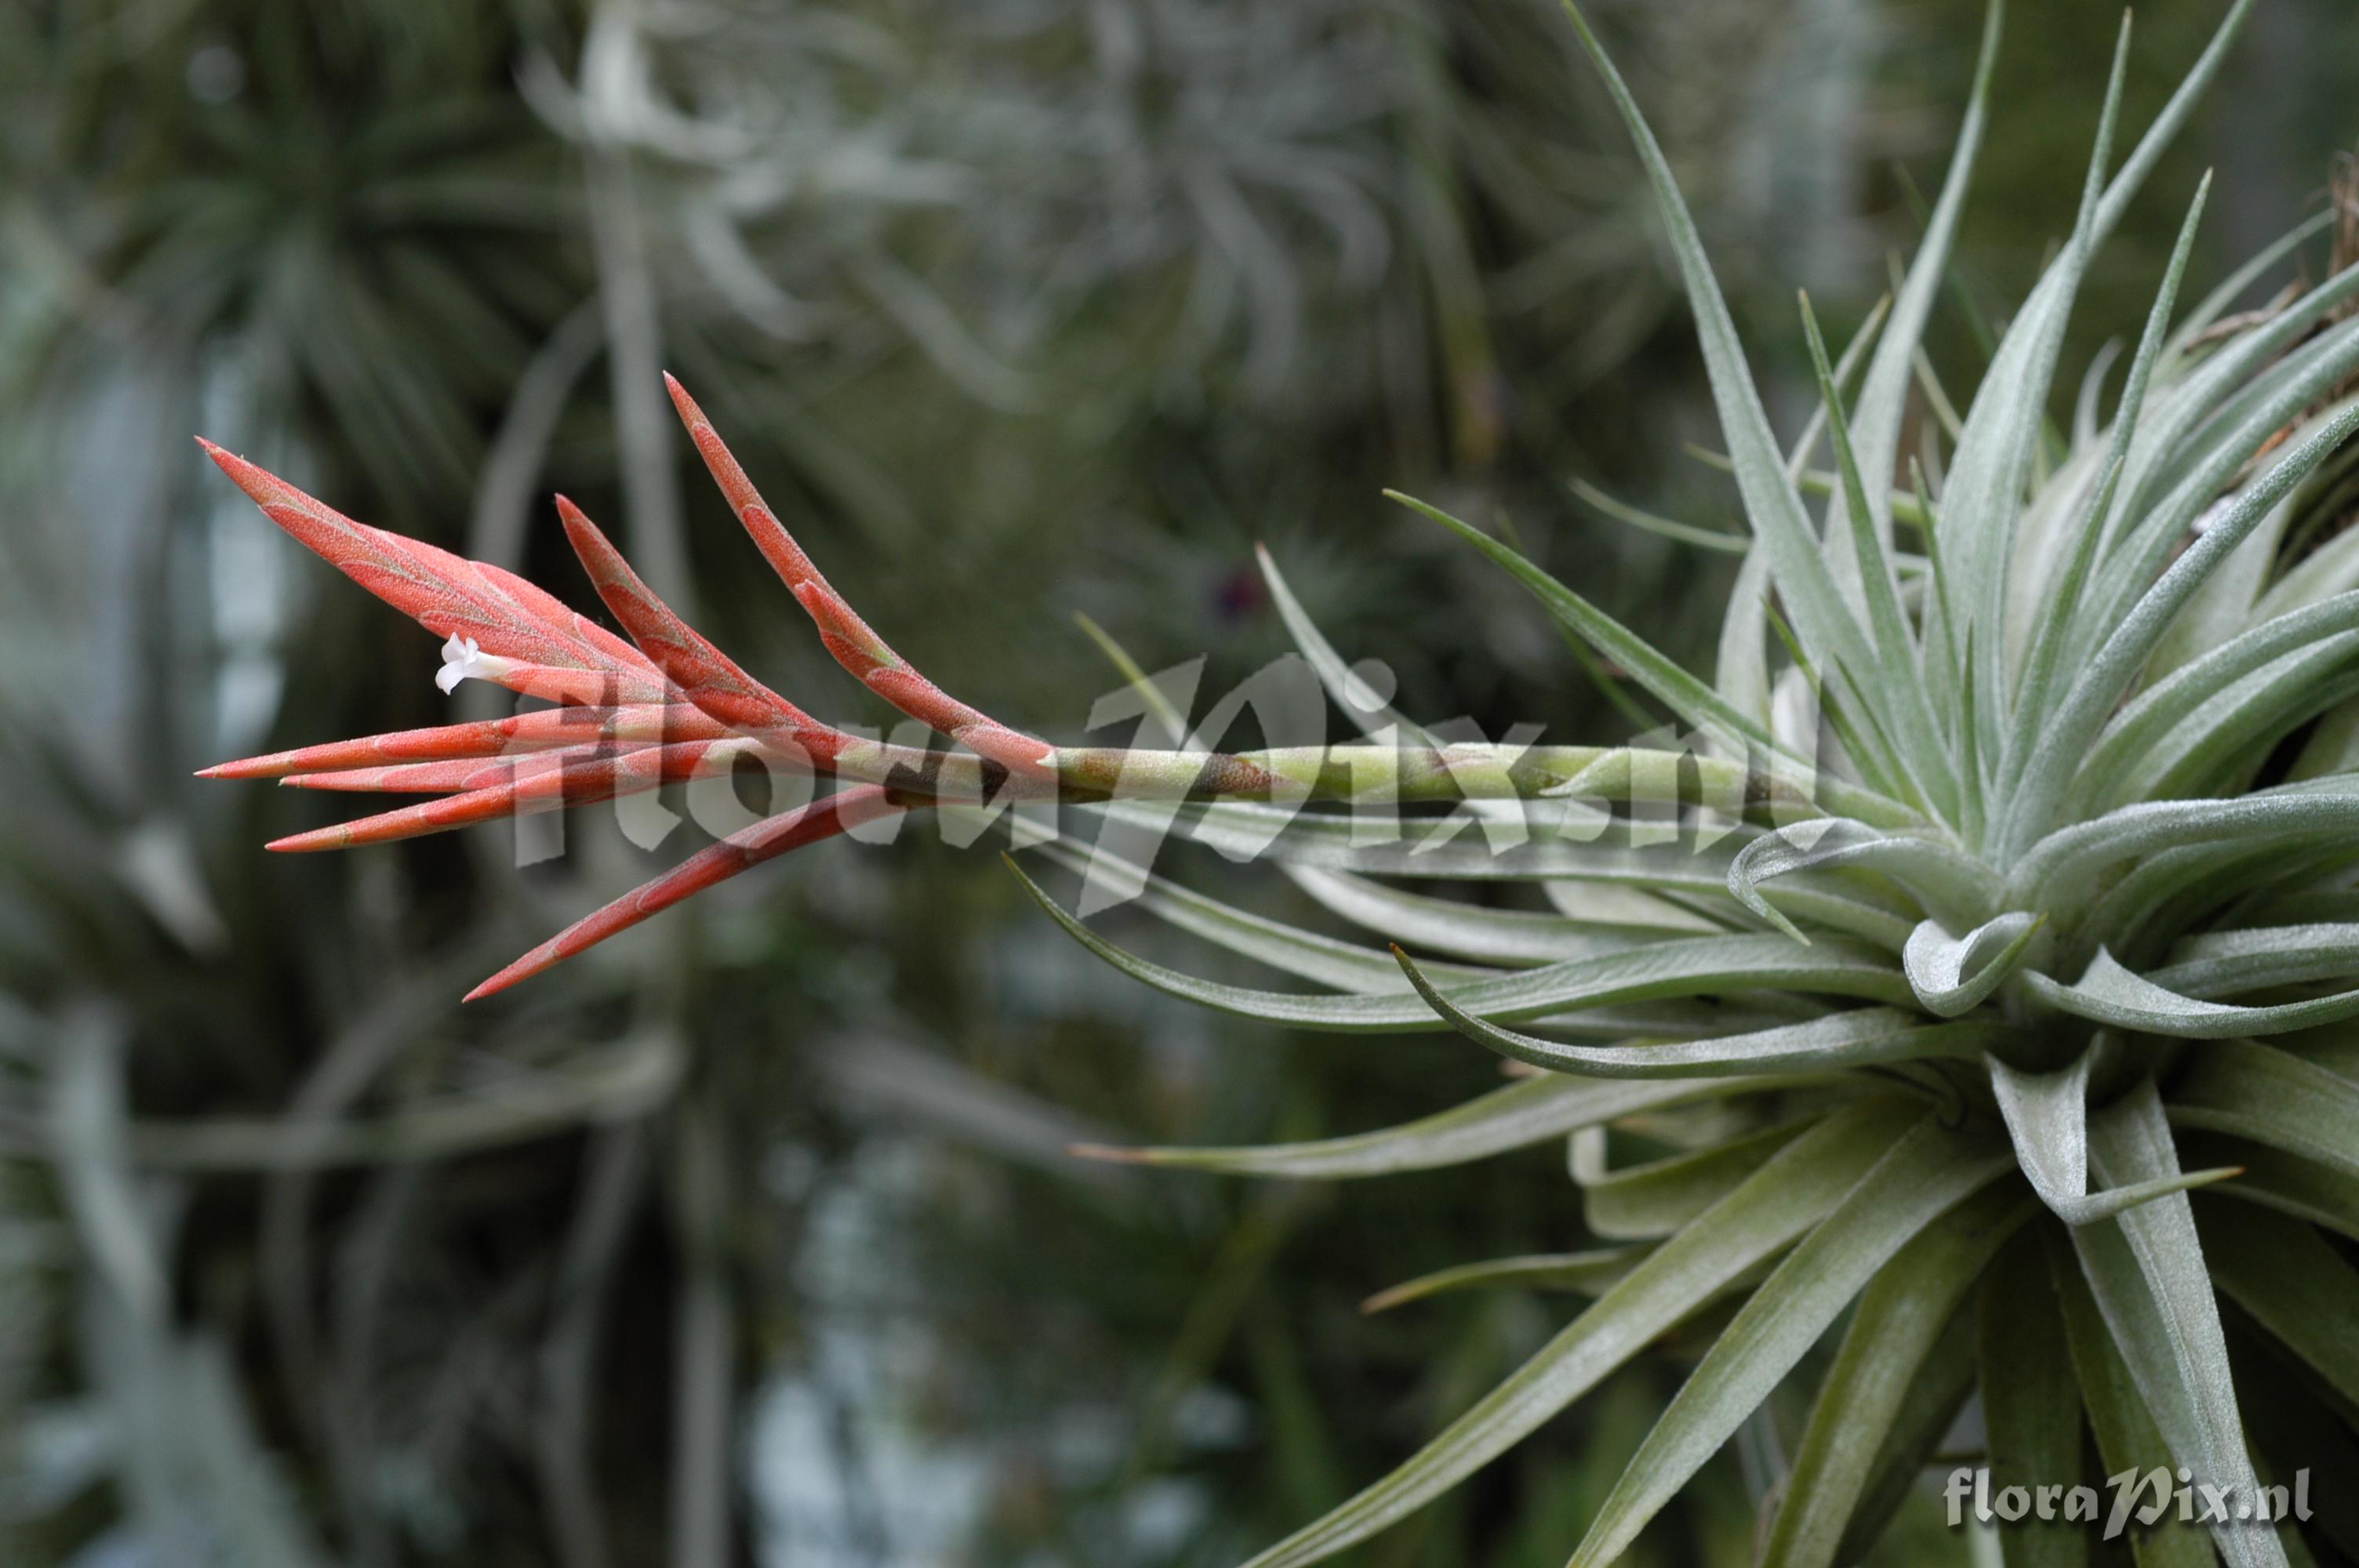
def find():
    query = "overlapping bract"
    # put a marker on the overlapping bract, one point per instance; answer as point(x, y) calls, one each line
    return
point(2057, 771)
point(631, 716)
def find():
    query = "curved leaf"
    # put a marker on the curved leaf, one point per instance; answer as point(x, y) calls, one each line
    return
point(1369, 712)
point(1698, 965)
point(1955, 975)
point(2229, 736)
point(2108, 993)
point(1584, 1273)
point(1531, 1111)
point(2068, 733)
point(2047, 1120)
point(2271, 1096)
point(2155, 712)
point(1489, 934)
point(1344, 966)
point(1641, 1203)
point(1682, 693)
point(1942, 880)
point(1646, 522)
point(2222, 963)
point(2274, 1179)
point(1861, 1037)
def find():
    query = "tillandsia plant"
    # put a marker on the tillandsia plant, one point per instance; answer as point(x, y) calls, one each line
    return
point(2000, 898)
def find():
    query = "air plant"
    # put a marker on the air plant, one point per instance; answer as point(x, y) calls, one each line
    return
point(2008, 902)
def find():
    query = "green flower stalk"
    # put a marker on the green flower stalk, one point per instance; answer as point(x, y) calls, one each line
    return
point(2005, 898)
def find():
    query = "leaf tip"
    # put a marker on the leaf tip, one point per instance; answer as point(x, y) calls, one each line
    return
point(1113, 1153)
point(523, 969)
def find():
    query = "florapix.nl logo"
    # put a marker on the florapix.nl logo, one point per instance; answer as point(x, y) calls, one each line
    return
point(2141, 1496)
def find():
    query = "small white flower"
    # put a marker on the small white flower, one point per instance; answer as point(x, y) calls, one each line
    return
point(462, 659)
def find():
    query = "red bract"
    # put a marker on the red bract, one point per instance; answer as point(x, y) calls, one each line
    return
point(541, 729)
point(665, 705)
point(847, 636)
point(748, 847)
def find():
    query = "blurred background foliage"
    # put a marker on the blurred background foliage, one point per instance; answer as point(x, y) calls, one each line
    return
point(752, 1238)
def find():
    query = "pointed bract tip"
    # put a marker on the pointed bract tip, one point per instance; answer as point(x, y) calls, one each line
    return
point(690, 413)
point(261, 486)
point(523, 969)
point(1383, 1300)
point(262, 767)
point(577, 522)
point(306, 843)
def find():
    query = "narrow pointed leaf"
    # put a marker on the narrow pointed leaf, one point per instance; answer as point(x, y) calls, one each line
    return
point(1901, 1319)
point(2146, 1269)
point(2126, 1432)
point(1862, 1037)
point(1649, 1201)
point(1615, 918)
point(1927, 1172)
point(2272, 1097)
point(2068, 733)
point(2047, 1118)
point(2108, 993)
point(1586, 1273)
point(1346, 965)
point(2031, 1409)
point(1761, 1218)
point(2295, 1284)
point(1898, 691)
point(1370, 713)
point(1532, 1111)
point(1682, 693)
point(1827, 629)
point(1694, 966)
